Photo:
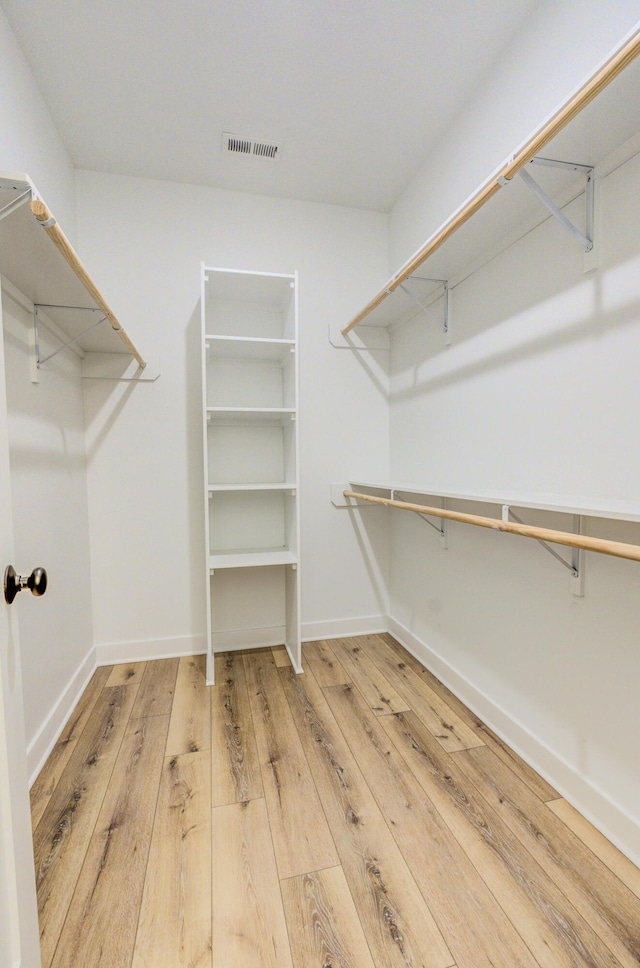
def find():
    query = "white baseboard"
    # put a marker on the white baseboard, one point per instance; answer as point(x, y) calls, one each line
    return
point(109, 653)
point(45, 739)
point(344, 627)
point(610, 818)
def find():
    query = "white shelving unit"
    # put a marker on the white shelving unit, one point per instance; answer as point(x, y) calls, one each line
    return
point(250, 442)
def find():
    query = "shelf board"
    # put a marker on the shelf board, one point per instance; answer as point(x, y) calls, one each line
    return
point(36, 267)
point(248, 347)
point(614, 510)
point(249, 415)
point(239, 285)
point(279, 486)
point(252, 558)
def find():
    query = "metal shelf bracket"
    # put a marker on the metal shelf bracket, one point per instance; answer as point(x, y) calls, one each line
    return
point(441, 529)
point(585, 240)
point(40, 361)
point(444, 322)
point(575, 566)
point(16, 202)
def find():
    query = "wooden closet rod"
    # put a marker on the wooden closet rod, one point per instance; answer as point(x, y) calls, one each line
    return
point(616, 548)
point(55, 233)
point(614, 66)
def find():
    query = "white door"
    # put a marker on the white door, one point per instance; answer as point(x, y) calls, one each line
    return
point(19, 939)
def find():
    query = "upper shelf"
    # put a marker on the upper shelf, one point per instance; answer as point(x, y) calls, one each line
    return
point(608, 509)
point(52, 275)
point(249, 348)
point(600, 118)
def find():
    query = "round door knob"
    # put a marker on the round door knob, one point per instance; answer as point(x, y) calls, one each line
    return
point(36, 582)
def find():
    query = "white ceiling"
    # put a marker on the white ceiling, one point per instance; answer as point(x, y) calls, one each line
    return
point(355, 91)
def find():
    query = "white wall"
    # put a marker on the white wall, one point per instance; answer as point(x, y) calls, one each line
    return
point(538, 396)
point(145, 241)
point(29, 140)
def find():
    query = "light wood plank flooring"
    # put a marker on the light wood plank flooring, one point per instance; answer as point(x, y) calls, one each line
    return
point(356, 816)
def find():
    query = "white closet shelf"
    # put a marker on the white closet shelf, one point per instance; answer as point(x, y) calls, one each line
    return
point(52, 276)
point(250, 414)
point(242, 285)
point(252, 558)
point(249, 348)
point(545, 536)
point(278, 486)
point(597, 127)
point(614, 510)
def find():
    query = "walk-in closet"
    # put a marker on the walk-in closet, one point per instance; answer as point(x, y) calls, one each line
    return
point(319, 475)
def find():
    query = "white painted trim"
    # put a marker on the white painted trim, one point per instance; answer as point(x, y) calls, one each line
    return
point(344, 627)
point(609, 817)
point(40, 747)
point(111, 653)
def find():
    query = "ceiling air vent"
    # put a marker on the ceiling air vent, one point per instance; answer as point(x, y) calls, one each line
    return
point(233, 144)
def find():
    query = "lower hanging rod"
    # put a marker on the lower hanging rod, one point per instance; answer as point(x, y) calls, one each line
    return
point(617, 549)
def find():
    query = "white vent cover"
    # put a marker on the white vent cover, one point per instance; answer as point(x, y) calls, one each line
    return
point(235, 144)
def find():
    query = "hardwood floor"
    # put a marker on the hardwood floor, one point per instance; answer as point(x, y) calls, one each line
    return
point(356, 816)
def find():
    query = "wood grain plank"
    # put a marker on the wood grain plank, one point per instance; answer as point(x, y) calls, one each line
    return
point(324, 928)
point(398, 925)
point(47, 780)
point(126, 673)
point(190, 724)
point(476, 929)
point(174, 929)
point(249, 929)
point(376, 688)
point(300, 833)
point(100, 928)
point(61, 838)
point(556, 934)
point(280, 656)
point(539, 786)
point(607, 905)
point(320, 658)
point(449, 730)
point(615, 860)
point(235, 767)
point(157, 687)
